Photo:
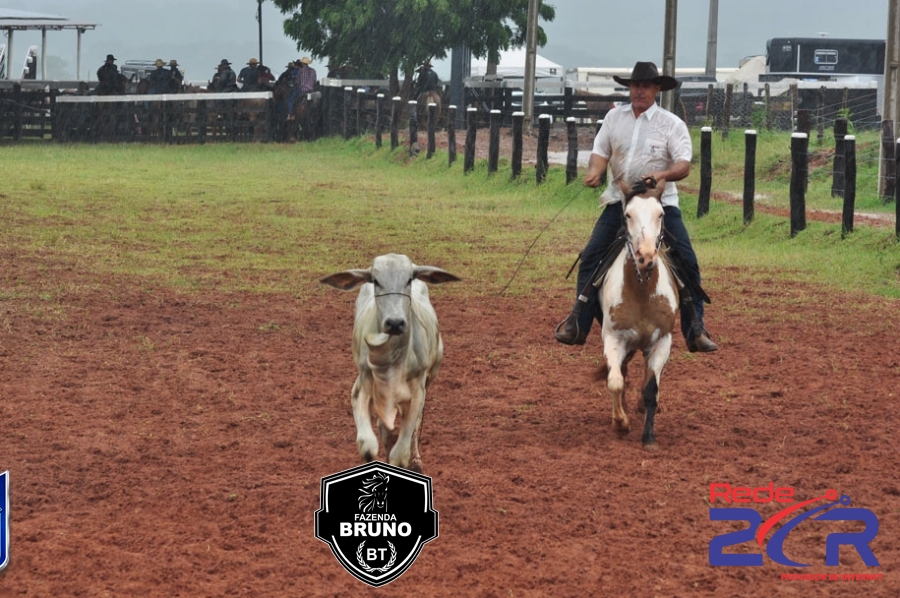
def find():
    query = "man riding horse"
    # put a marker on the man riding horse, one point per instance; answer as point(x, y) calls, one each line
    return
point(108, 76)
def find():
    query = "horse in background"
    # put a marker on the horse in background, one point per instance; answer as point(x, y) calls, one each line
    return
point(639, 300)
point(305, 120)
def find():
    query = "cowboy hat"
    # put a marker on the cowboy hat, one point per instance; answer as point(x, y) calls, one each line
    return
point(173, 62)
point(252, 61)
point(647, 71)
point(159, 62)
point(110, 57)
point(224, 62)
point(305, 60)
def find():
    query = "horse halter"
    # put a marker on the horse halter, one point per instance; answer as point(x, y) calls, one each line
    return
point(640, 188)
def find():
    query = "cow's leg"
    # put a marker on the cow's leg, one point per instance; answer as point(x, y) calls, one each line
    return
point(656, 358)
point(415, 460)
point(366, 441)
point(412, 413)
point(615, 382)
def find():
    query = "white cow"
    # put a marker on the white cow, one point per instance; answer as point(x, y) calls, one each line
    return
point(398, 348)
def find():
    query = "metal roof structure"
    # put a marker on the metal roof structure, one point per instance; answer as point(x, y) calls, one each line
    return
point(12, 20)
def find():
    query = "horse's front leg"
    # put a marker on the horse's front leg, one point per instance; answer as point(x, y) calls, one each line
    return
point(656, 358)
point(615, 382)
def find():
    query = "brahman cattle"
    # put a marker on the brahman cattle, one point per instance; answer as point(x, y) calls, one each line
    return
point(397, 347)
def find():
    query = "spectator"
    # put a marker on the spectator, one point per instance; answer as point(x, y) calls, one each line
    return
point(304, 82)
point(176, 77)
point(108, 75)
point(160, 78)
point(249, 76)
point(225, 80)
point(265, 78)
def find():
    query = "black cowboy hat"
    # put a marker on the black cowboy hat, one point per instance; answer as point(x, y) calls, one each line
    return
point(647, 71)
point(110, 57)
point(224, 62)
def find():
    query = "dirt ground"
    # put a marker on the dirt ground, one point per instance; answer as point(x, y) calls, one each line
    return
point(173, 445)
point(169, 445)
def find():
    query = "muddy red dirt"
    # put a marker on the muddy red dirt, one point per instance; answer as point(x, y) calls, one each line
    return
point(162, 444)
point(166, 444)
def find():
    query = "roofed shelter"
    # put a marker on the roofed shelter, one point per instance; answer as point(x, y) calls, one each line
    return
point(12, 20)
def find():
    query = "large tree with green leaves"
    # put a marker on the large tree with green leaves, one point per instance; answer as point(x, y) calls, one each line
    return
point(388, 37)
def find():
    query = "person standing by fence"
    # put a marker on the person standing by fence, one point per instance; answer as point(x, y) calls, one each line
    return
point(640, 140)
point(249, 76)
point(160, 78)
point(176, 77)
point(107, 75)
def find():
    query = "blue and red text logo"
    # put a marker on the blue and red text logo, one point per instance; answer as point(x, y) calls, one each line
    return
point(793, 514)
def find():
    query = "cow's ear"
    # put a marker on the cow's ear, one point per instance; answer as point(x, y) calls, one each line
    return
point(433, 275)
point(349, 279)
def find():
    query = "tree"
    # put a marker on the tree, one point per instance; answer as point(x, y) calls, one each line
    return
point(381, 37)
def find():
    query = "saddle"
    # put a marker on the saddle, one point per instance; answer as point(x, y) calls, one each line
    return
point(686, 285)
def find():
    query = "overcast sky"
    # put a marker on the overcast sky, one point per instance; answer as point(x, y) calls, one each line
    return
point(585, 33)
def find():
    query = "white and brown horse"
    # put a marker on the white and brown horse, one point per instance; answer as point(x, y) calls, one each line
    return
point(639, 298)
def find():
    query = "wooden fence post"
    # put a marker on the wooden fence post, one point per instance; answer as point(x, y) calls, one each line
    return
point(543, 146)
point(494, 139)
point(705, 171)
point(346, 113)
point(820, 116)
point(451, 134)
point(769, 117)
point(517, 151)
point(602, 174)
point(799, 172)
point(572, 156)
point(888, 178)
point(849, 186)
point(897, 194)
point(469, 158)
point(395, 117)
point(837, 165)
point(749, 174)
point(379, 124)
point(360, 115)
point(413, 128)
point(432, 121)
point(726, 117)
point(17, 111)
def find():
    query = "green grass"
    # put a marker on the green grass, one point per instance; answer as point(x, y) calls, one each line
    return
point(276, 218)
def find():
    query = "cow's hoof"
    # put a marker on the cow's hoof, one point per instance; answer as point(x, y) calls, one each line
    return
point(416, 467)
point(651, 446)
point(622, 428)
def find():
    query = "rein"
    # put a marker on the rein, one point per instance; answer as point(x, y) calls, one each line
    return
point(546, 226)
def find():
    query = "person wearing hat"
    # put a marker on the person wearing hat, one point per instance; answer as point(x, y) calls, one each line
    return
point(160, 77)
point(304, 82)
point(638, 140)
point(224, 80)
point(107, 75)
point(176, 77)
point(249, 76)
point(427, 80)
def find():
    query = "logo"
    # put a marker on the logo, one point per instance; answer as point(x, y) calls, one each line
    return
point(376, 518)
point(4, 520)
point(790, 517)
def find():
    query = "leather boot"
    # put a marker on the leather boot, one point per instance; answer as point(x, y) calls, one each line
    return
point(568, 333)
point(698, 340)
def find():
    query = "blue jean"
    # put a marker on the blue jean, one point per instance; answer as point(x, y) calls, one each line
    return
point(602, 237)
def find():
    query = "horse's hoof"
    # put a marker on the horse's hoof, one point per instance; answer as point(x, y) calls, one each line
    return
point(416, 466)
point(622, 428)
point(651, 446)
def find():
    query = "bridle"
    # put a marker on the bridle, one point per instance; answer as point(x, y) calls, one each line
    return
point(640, 188)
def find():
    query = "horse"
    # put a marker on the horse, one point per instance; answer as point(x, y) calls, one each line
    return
point(425, 98)
point(639, 299)
point(373, 494)
point(304, 121)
